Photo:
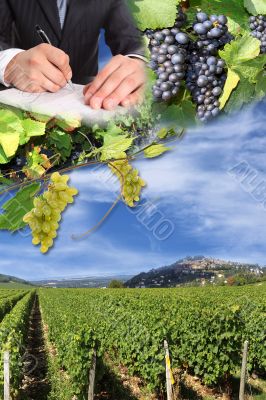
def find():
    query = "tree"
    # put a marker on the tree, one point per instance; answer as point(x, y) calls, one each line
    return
point(116, 284)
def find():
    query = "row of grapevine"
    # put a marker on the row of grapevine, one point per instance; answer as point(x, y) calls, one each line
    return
point(8, 300)
point(13, 334)
point(205, 329)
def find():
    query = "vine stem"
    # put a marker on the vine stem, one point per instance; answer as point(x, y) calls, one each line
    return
point(95, 227)
point(185, 4)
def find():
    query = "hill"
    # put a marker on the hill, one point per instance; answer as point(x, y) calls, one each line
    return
point(84, 282)
point(198, 270)
point(12, 282)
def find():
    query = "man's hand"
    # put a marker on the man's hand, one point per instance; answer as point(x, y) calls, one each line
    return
point(120, 82)
point(43, 68)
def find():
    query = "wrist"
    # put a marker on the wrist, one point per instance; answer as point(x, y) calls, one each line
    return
point(7, 65)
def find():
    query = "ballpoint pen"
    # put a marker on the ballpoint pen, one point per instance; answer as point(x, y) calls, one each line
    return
point(45, 39)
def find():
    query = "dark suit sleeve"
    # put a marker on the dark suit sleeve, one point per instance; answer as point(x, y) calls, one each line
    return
point(121, 33)
point(6, 20)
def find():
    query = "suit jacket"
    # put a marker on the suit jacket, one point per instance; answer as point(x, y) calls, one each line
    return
point(80, 35)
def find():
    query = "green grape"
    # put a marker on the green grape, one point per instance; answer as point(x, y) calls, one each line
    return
point(131, 183)
point(61, 205)
point(72, 191)
point(36, 240)
point(38, 212)
point(44, 249)
point(46, 227)
point(48, 242)
point(52, 234)
point(60, 186)
point(53, 204)
point(44, 217)
point(46, 210)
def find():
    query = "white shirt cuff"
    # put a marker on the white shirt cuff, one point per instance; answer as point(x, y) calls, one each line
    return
point(138, 56)
point(5, 57)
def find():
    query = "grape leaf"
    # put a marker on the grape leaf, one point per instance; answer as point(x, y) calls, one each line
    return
point(17, 207)
point(3, 158)
point(4, 180)
point(233, 9)
point(31, 128)
point(178, 117)
point(9, 142)
point(68, 124)
point(250, 69)
point(114, 146)
point(240, 50)
point(255, 7)
point(155, 150)
point(9, 120)
point(112, 129)
point(244, 93)
point(260, 88)
point(62, 141)
point(10, 130)
point(36, 164)
point(39, 117)
point(230, 84)
point(153, 14)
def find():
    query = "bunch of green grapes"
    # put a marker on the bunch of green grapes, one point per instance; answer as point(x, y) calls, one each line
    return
point(44, 218)
point(130, 180)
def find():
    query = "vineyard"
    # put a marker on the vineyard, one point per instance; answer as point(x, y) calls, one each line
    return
point(205, 329)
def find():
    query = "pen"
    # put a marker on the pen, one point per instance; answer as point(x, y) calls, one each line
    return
point(45, 39)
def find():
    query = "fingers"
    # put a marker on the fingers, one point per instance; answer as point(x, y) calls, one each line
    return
point(134, 98)
point(109, 86)
point(58, 58)
point(42, 68)
point(86, 88)
point(31, 87)
point(48, 85)
point(103, 75)
point(128, 86)
point(54, 75)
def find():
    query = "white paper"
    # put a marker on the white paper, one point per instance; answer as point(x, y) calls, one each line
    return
point(65, 104)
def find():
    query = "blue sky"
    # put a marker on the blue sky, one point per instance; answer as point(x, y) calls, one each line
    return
point(196, 191)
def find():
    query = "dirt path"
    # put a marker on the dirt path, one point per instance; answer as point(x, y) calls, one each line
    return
point(35, 384)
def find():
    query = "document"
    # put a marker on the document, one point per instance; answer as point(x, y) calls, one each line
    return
point(66, 104)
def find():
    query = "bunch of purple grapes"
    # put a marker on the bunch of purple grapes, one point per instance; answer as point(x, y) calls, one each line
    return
point(258, 28)
point(206, 74)
point(169, 58)
point(176, 58)
point(205, 80)
point(212, 32)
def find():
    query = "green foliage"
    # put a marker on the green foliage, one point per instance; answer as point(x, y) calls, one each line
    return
point(15, 131)
point(243, 94)
point(155, 150)
point(13, 334)
point(178, 117)
point(205, 329)
point(152, 14)
point(255, 7)
point(62, 142)
point(113, 146)
point(115, 284)
point(230, 84)
point(240, 50)
point(17, 207)
point(245, 67)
